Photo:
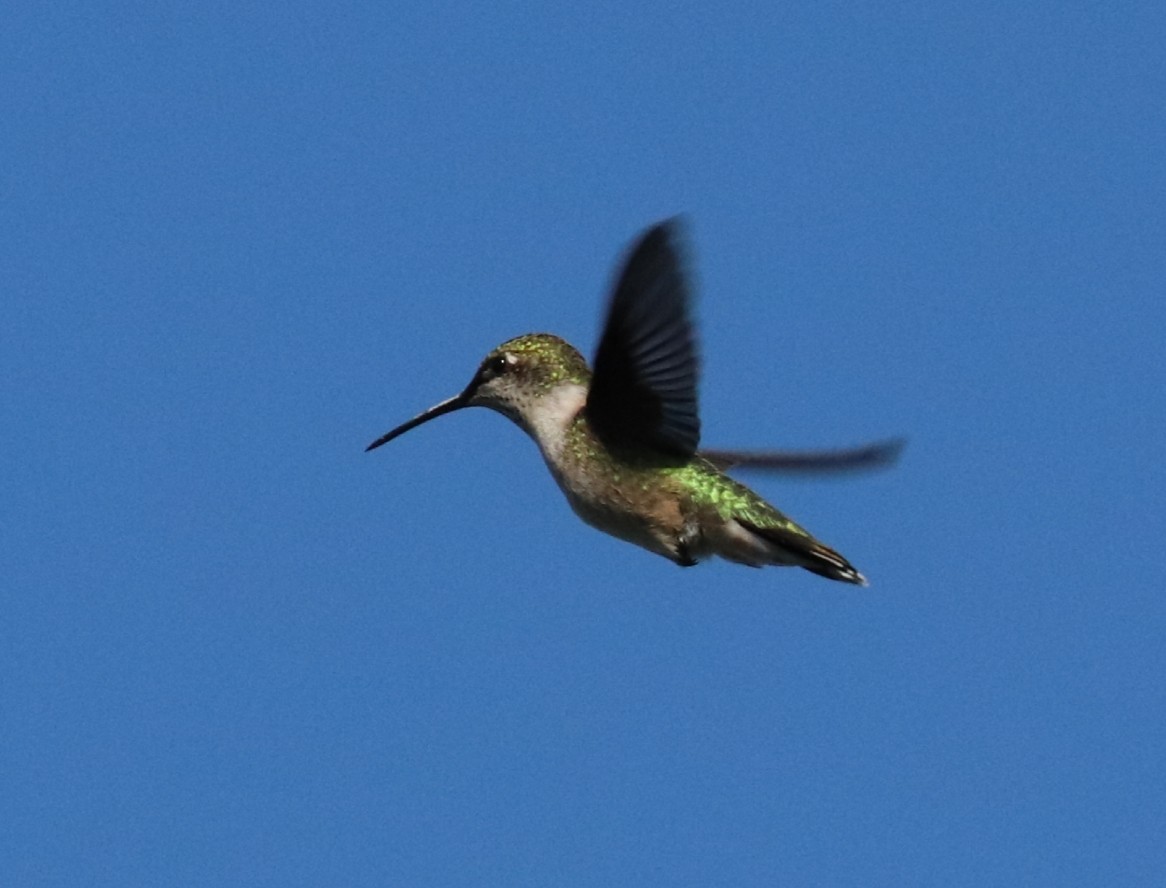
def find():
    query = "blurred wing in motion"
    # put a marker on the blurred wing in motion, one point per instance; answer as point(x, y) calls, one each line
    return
point(643, 389)
point(867, 458)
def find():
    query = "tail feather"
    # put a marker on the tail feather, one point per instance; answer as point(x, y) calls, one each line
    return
point(807, 552)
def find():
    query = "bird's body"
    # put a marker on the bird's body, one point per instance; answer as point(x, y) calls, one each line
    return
point(621, 439)
point(683, 508)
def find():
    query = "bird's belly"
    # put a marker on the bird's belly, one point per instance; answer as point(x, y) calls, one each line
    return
point(653, 524)
point(626, 526)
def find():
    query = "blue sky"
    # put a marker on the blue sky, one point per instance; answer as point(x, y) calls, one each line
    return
point(236, 245)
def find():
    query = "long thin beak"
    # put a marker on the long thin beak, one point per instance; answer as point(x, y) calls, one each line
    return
point(449, 405)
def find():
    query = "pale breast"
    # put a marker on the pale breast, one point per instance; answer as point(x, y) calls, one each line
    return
point(643, 514)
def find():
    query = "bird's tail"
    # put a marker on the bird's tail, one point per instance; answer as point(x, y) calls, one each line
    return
point(805, 551)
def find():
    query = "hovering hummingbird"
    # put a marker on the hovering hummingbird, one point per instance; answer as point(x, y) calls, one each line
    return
point(621, 439)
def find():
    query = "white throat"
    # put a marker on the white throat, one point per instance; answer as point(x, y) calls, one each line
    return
point(552, 417)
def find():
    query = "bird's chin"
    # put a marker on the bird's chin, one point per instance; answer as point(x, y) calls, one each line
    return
point(511, 414)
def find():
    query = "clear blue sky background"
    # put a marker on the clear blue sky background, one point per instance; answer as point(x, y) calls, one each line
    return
point(238, 244)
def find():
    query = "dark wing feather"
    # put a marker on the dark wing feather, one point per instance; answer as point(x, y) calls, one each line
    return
point(643, 388)
point(869, 457)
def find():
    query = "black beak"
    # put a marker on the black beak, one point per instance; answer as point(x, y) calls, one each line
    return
point(449, 405)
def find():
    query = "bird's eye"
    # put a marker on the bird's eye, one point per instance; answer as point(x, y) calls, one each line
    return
point(498, 365)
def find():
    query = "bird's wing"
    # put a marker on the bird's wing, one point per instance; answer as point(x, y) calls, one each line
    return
point(869, 457)
point(643, 387)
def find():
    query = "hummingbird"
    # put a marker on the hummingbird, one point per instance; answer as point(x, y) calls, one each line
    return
point(621, 438)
